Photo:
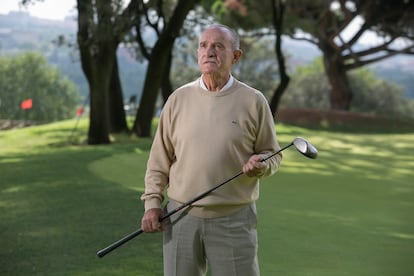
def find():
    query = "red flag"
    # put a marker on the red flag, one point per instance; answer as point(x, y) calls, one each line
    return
point(79, 111)
point(27, 104)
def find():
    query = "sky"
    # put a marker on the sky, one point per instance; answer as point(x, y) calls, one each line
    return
point(48, 9)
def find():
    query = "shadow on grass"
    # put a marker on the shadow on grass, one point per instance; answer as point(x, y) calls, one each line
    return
point(56, 213)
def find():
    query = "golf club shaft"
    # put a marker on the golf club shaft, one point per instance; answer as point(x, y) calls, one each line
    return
point(117, 244)
point(129, 237)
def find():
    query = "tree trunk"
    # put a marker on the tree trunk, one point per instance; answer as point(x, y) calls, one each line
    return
point(98, 132)
point(97, 57)
point(156, 68)
point(341, 93)
point(166, 86)
point(152, 83)
point(278, 13)
point(117, 117)
point(334, 64)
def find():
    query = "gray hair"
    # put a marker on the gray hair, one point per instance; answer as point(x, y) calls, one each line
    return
point(235, 38)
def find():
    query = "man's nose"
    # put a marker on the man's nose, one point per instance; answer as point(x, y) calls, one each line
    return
point(211, 51)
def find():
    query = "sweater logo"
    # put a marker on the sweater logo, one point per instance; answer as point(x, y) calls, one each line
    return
point(234, 122)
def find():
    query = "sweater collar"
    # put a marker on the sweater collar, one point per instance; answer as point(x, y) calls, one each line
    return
point(228, 84)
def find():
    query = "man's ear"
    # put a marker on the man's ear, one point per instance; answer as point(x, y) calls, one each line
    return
point(237, 55)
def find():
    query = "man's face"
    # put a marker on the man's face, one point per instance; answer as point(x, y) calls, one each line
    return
point(215, 52)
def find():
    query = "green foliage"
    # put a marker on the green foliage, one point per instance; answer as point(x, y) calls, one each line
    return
point(247, 14)
point(309, 88)
point(28, 76)
point(374, 95)
point(258, 66)
point(185, 66)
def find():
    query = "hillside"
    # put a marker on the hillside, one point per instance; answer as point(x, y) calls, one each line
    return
point(21, 32)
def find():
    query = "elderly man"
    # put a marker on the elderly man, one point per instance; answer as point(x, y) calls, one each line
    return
point(208, 130)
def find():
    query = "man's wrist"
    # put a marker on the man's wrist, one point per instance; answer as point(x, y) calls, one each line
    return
point(152, 203)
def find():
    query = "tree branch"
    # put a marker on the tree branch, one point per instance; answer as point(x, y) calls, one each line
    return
point(389, 53)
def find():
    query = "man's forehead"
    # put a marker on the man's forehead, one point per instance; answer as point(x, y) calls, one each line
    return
point(215, 34)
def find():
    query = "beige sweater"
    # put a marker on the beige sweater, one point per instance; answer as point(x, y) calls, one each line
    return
point(203, 138)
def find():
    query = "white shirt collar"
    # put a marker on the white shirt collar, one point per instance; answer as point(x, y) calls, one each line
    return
point(228, 84)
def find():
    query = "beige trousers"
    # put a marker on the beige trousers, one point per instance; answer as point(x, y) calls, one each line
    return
point(226, 246)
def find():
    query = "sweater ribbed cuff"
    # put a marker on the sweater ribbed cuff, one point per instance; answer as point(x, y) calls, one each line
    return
point(151, 203)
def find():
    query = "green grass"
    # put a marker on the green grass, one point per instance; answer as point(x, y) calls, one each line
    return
point(349, 212)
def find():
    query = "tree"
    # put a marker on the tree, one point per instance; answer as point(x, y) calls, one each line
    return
point(101, 27)
point(117, 115)
point(28, 76)
point(278, 13)
point(323, 23)
point(159, 61)
point(96, 46)
point(310, 89)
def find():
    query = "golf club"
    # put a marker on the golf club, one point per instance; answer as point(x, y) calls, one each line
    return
point(303, 146)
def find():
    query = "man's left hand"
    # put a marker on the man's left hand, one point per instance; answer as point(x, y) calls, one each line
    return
point(254, 167)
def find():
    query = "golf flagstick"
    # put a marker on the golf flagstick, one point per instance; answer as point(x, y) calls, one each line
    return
point(301, 145)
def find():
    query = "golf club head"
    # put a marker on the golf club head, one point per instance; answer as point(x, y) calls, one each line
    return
point(305, 147)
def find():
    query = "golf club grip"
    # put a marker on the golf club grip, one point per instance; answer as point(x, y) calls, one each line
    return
point(117, 244)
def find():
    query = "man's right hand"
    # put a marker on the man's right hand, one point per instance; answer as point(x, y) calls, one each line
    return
point(150, 221)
